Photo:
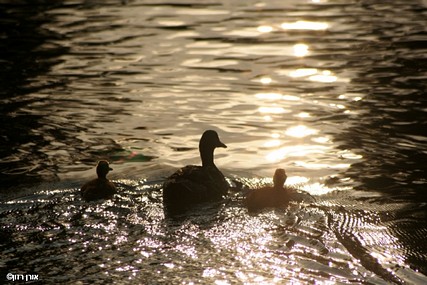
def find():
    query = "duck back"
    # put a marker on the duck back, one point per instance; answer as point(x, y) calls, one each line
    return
point(194, 184)
point(266, 197)
point(98, 189)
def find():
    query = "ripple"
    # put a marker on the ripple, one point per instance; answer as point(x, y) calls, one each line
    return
point(221, 242)
point(333, 92)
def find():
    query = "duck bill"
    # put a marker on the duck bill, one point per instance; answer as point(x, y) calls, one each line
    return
point(221, 144)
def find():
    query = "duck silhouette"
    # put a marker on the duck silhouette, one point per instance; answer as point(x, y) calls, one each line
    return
point(101, 187)
point(265, 197)
point(196, 184)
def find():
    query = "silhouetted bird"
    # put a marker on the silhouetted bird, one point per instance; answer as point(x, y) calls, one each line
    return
point(101, 187)
point(265, 197)
point(195, 184)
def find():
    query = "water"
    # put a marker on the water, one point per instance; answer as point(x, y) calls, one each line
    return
point(332, 91)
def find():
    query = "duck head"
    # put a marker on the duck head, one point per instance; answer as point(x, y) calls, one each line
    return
point(208, 142)
point(279, 178)
point(103, 168)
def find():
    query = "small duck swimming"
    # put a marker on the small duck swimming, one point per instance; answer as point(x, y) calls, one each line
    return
point(265, 197)
point(195, 184)
point(101, 187)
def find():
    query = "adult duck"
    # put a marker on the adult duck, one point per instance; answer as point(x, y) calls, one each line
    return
point(195, 184)
point(101, 187)
point(266, 197)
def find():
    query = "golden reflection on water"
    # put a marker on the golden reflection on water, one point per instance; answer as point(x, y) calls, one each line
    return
point(257, 244)
point(314, 74)
point(267, 118)
point(321, 140)
point(265, 80)
point(300, 50)
point(325, 76)
point(303, 72)
point(300, 131)
point(303, 115)
point(351, 96)
point(276, 96)
point(295, 180)
point(269, 96)
point(265, 29)
point(272, 143)
point(321, 189)
point(313, 165)
point(273, 105)
point(273, 110)
point(305, 25)
point(295, 151)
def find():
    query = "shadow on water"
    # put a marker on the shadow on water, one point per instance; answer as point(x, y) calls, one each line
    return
point(26, 52)
point(391, 136)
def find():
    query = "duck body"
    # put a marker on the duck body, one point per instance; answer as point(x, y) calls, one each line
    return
point(98, 189)
point(276, 196)
point(101, 187)
point(194, 184)
point(267, 197)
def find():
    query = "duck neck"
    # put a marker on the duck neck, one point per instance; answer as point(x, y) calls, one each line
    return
point(207, 156)
point(279, 179)
point(101, 175)
point(278, 186)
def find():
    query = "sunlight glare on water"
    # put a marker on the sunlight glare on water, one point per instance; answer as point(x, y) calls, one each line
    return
point(330, 91)
point(305, 25)
point(301, 50)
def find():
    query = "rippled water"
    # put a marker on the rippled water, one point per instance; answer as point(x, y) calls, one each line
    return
point(332, 91)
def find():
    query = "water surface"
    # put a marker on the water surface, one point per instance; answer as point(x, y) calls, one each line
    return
point(332, 91)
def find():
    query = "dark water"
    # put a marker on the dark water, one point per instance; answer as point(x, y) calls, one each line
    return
point(333, 91)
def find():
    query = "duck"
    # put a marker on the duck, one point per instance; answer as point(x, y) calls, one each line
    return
point(270, 197)
point(194, 184)
point(101, 187)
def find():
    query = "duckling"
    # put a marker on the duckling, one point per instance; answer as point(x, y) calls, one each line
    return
point(101, 187)
point(276, 196)
point(195, 184)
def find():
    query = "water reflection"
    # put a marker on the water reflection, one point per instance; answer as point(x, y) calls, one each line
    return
point(332, 91)
point(303, 115)
point(313, 74)
point(296, 151)
point(305, 25)
point(325, 76)
point(300, 131)
point(26, 55)
point(272, 110)
point(265, 29)
point(265, 80)
point(300, 50)
point(276, 96)
point(303, 72)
